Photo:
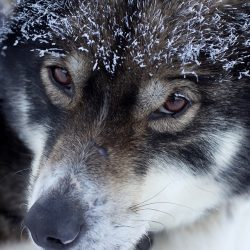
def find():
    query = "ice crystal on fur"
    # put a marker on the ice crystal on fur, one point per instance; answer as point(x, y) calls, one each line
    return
point(148, 31)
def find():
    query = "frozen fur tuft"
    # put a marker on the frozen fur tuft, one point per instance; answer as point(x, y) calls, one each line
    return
point(191, 33)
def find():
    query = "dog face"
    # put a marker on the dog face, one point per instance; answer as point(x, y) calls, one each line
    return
point(137, 120)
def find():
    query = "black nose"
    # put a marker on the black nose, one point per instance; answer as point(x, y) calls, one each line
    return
point(54, 222)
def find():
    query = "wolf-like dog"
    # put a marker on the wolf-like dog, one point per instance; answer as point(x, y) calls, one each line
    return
point(137, 116)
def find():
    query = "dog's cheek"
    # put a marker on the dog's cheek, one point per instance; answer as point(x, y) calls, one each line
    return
point(173, 197)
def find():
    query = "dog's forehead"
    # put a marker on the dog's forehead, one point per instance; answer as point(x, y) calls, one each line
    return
point(147, 33)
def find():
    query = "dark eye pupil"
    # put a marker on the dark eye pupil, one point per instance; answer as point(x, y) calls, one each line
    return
point(175, 104)
point(61, 76)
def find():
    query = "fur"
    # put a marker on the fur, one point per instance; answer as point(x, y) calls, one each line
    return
point(106, 144)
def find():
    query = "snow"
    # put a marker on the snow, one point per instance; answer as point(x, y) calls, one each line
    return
point(148, 33)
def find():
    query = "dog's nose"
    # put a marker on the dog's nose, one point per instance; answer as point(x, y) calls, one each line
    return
point(54, 223)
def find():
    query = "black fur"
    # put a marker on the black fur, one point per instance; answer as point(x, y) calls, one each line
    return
point(14, 172)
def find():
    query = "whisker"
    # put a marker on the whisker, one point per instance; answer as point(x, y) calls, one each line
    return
point(23, 170)
point(205, 190)
point(152, 221)
point(23, 227)
point(169, 203)
point(14, 173)
point(156, 210)
point(151, 198)
point(149, 240)
point(119, 226)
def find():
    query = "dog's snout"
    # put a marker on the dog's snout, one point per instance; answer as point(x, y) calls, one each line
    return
point(54, 223)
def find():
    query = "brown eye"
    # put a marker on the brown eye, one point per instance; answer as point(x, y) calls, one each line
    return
point(175, 105)
point(61, 76)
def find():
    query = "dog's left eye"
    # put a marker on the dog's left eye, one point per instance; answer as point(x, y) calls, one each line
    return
point(61, 76)
point(175, 105)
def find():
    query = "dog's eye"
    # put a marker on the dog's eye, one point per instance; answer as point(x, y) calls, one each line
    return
point(175, 105)
point(61, 76)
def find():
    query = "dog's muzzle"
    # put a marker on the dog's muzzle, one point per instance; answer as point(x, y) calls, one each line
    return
point(55, 222)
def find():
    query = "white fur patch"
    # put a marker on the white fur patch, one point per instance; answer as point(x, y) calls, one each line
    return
point(227, 146)
point(181, 201)
point(34, 135)
point(174, 198)
point(226, 229)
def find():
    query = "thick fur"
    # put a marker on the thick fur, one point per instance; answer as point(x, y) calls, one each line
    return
point(15, 161)
point(14, 171)
point(104, 146)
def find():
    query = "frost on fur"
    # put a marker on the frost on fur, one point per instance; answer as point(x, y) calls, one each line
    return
point(192, 33)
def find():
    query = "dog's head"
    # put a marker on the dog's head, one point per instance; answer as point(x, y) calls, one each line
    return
point(137, 113)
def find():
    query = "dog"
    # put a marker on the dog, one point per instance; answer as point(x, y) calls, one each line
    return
point(137, 116)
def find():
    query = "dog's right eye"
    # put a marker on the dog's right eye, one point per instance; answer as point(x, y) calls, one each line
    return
point(61, 76)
